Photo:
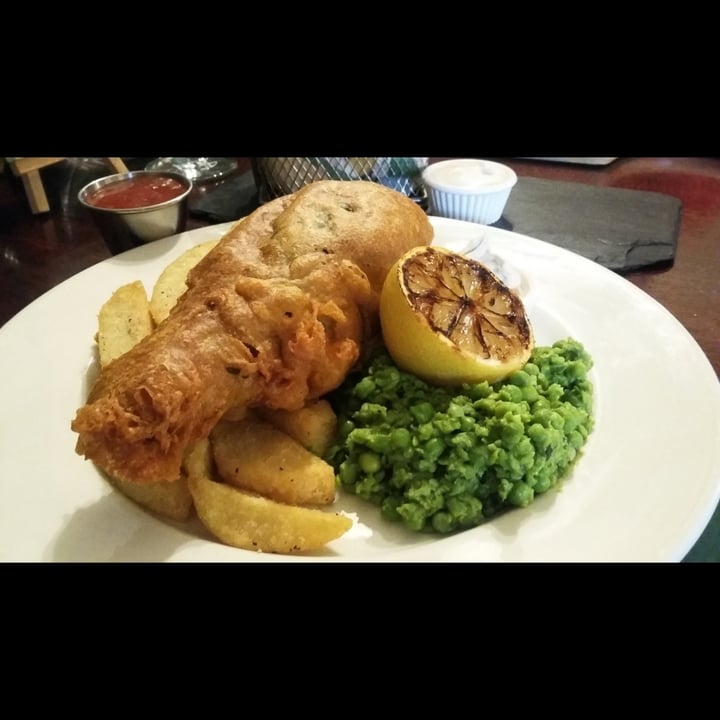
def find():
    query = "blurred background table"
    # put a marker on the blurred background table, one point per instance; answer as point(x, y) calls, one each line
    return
point(38, 251)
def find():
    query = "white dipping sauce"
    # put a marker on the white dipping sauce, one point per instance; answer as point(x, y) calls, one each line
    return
point(469, 173)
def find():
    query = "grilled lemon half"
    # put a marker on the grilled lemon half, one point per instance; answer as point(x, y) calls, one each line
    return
point(449, 319)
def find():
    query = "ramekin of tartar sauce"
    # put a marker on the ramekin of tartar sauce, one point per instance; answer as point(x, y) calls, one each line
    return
point(468, 189)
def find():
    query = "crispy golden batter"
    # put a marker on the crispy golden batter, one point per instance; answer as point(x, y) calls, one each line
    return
point(275, 315)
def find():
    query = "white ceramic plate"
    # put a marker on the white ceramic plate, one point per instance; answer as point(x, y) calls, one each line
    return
point(644, 489)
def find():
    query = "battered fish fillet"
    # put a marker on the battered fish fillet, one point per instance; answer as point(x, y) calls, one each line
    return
point(276, 314)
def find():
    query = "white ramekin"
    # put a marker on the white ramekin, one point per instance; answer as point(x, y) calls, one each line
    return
point(468, 189)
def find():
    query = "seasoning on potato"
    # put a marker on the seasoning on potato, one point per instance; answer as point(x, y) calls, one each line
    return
point(254, 455)
point(123, 321)
point(313, 426)
point(254, 522)
point(171, 283)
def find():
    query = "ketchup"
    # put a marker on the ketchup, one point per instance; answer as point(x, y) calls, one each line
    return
point(135, 192)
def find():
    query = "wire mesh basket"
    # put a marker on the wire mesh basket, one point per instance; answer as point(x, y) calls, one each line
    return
point(284, 175)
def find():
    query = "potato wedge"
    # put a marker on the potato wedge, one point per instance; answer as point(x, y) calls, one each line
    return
point(169, 499)
point(197, 460)
point(123, 321)
point(236, 413)
point(254, 455)
point(251, 522)
point(171, 283)
point(313, 426)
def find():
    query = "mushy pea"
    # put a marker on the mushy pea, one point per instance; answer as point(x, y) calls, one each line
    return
point(447, 459)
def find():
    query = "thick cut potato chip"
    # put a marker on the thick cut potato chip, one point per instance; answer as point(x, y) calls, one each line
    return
point(253, 522)
point(313, 426)
point(123, 321)
point(197, 460)
point(236, 413)
point(254, 455)
point(169, 499)
point(171, 283)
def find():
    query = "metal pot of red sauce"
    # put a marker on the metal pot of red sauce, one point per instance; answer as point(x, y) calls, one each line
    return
point(134, 208)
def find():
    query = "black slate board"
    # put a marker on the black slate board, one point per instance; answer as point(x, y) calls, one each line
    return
point(621, 229)
point(230, 201)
